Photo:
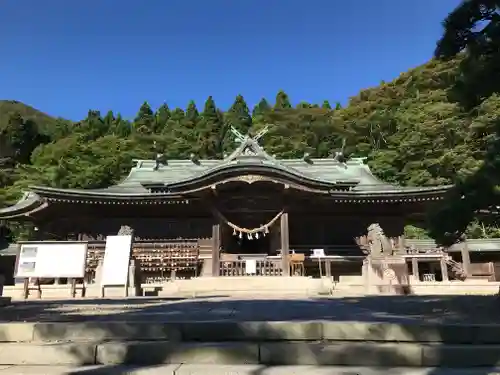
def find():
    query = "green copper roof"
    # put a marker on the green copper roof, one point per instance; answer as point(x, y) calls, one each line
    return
point(178, 176)
point(250, 153)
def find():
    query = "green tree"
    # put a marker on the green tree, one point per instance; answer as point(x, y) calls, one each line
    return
point(261, 109)
point(282, 101)
point(192, 113)
point(162, 116)
point(476, 192)
point(472, 34)
point(211, 131)
point(92, 127)
point(144, 122)
point(326, 105)
point(120, 127)
point(20, 137)
point(239, 117)
point(473, 27)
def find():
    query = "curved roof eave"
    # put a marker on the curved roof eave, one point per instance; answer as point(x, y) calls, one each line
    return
point(29, 203)
point(103, 193)
point(400, 192)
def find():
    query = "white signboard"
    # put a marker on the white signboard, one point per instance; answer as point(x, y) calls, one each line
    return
point(51, 260)
point(318, 253)
point(250, 266)
point(116, 260)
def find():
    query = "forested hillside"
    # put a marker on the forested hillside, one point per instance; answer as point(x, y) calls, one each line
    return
point(411, 129)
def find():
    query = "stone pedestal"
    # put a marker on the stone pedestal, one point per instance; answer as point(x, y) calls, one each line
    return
point(385, 275)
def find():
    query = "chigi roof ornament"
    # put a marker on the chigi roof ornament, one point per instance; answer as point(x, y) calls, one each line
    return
point(240, 138)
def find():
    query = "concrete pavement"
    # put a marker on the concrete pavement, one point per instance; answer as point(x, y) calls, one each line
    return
point(237, 370)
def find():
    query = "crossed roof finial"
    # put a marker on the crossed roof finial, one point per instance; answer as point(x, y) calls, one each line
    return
point(241, 138)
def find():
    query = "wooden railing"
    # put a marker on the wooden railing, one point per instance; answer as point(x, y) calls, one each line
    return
point(240, 268)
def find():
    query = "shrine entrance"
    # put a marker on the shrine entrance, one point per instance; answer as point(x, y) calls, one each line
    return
point(249, 217)
point(245, 243)
point(251, 237)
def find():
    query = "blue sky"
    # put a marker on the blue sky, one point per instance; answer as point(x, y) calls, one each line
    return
point(67, 56)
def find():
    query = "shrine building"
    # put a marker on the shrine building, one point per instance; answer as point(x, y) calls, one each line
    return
point(196, 218)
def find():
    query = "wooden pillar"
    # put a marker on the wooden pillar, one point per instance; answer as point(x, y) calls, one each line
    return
point(285, 244)
point(215, 249)
point(465, 258)
point(444, 269)
point(414, 269)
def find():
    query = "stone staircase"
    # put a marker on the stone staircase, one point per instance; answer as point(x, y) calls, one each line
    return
point(231, 343)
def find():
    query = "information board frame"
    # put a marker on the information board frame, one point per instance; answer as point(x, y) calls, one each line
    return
point(34, 254)
point(31, 260)
point(117, 255)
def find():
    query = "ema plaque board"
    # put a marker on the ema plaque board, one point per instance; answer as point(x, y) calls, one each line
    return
point(116, 260)
point(52, 260)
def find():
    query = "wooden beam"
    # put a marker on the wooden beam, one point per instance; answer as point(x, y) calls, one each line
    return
point(285, 244)
point(215, 249)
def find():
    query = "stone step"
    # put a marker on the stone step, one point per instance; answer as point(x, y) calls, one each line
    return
point(251, 331)
point(251, 284)
point(185, 369)
point(259, 343)
point(243, 353)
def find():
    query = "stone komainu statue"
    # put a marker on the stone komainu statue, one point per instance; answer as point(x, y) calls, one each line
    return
point(379, 244)
point(125, 230)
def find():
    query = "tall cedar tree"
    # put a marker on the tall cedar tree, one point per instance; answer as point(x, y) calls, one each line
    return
point(282, 101)
point(192, 113)
point(144, 122)
point(261, 108)
point(162, 116)
point(211, 131)
point(239, 117)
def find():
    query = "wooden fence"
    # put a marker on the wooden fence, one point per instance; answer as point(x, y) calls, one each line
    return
point(243, 268)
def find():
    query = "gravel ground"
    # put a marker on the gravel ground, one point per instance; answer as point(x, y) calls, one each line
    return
point(439, 309)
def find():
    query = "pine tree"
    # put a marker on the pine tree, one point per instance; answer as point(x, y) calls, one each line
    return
point(326, 105)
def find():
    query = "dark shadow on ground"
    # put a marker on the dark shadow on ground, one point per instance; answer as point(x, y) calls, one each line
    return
point(407, 310)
